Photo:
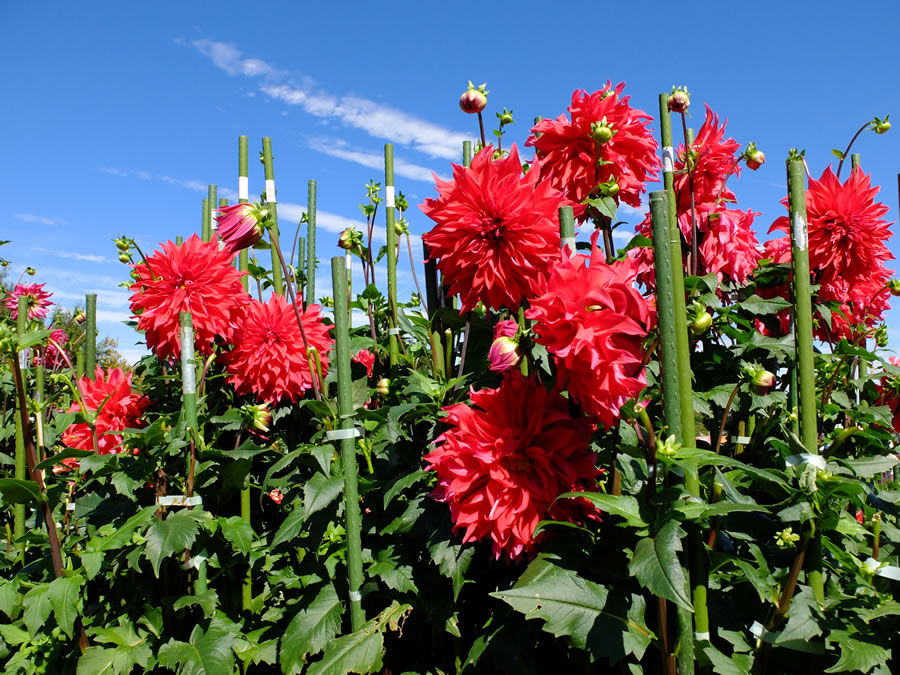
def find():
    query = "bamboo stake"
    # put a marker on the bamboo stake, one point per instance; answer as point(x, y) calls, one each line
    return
point(205, 226)
point(311, 244)
point(862, 364)
point(393, 331)
point(243, 265)
point(179, 240)
point(90, 333)
point(806, 375)
point(213, 199)
point(347, 439)
point(19, 510)
point(467, 153)
point(271, 203)
point(566, 231)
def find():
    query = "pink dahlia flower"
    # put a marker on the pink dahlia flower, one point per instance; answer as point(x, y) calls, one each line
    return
point(241, 225)
point(37, 297)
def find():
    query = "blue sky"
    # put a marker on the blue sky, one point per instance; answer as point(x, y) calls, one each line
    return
point(116, 116)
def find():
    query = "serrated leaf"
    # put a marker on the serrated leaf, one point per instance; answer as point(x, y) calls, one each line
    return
point(207, 601)
point(858, 655)
point(453, 560)
point(869, 466)
point(700, 510)
point(362, 651)
point(757, 305)
point(291, 526)
point(64, 594)
point(656, 566)
point(57, 459)
point(174, 534)
point(401, 484)
point(208, 652)
point(237, 531)
point(736, 664)
point(320, 491)
point(568, 604)
point(13, 634)
point(118, 660)
point(37, 607)
point(311, 629)
point(623, 505)
point(122, 536)
point(889, 608)
point(19, 491)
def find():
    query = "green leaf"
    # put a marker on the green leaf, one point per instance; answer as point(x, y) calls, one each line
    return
point(869, 466)
point(568, 604)
point(737, 664)
point(17, 491)
point(209, 651)
point(837, 153)
point(757, 305)
point(37, 607)
point(57, 459)
point(625, 506)
point(362, 651)
point(9, 596)
point(291, 526)
point(701, 510)
point(311, 629)
point(657, 568)
point(13, 634)
point(64, 595)
point(119, 660)
point(31, 338)
point(453, 560)
point(889, 608)
point(857, 655)
point(122, 536)
point(802, 625)
point(174, 534)
point(401, 484)
point(207, 601)
point(91, 561)
point(238, 531)
point(320, 491)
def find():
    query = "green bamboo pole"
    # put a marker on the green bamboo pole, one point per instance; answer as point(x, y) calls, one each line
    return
point(301, 264)
point(392, 251)
point(243, 265)
point(90, 333)
point(665, 311)
point(566, 230)
point(21, 461)
point(39, 417)
point(863, 365)
point(179, 240)
point(347, 439)
point(697, 573)
point(277, 276)
point(467, 153)
point(206, 226)
point(311, 244)
point(213, 199)
point(192, 428)
point(79, 362)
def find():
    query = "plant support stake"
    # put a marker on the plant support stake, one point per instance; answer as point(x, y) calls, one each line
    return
point(271, 204)
point(311, 244)
point(389, 212)
point(90, 333)
point(347, 439)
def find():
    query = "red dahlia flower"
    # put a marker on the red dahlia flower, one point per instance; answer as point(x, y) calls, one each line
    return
point(195, 277)
point(270, 359)
point(241, 225)
point(54, 358)
point(37, 300)
point(846, 231)
point(505, 460)
point(575, 161)
point(712, 157)
point(889, 394)
point(593, 320)
point(496, 231)
point(366, 358)
point(108, 395)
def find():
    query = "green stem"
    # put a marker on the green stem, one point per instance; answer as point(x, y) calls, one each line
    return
point(271, 204)
point(348, 444)
point(19, 510)
point(90, 333)
point(725, 412)
point(850, 145)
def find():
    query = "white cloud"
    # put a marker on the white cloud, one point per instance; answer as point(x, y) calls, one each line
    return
point(199, 186)
point(39, 220)
point(133, 354)
point(338, 148)
point(87, 257)
point(622, 235)
point(111, 316)
point(376, 119)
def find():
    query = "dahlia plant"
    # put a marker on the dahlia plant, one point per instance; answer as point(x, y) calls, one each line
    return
point(558, 457)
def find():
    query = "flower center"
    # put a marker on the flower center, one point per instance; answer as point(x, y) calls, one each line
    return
point(491, 228)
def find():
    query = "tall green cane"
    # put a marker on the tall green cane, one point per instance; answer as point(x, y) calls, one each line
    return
point(389, 211)
point(803, 338)
point(566, 230)
point(347, 434)
point(205, 223)
point(467, 153)
point(863, 365)
point(243, 266)
point(21, 462)
point(311, 244)
point(90, 333)
point(192, 428)
point(271, 203)
point(213, 199)
point(697, 576)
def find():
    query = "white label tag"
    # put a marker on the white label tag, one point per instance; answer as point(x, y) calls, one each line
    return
point(179, 500)
point(668, 159)
point(188, 374)
point(389, 196)
point(341, 434)
point(243, 187)
point(355, 596)
point(882, 570)
point(806, 458)
point(270, 191)
point(348, 261)
point(800, 240)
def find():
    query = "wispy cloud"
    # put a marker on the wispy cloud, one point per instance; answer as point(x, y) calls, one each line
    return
point(376, 119)
point(39, 220)
point(339, 148)
point(87, 257)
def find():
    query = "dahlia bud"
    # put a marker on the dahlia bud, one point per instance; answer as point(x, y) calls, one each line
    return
point(601, 132)
point(881, 336)
point(350, 239)
point(121, 244)
point(880, 126)
point(506, 328)
point(401, 202)
point(473, 100)
point(679, 100)
point(505, 117)
point(753, 157)
point(124, 258)
point(504, 354)
point(4, 263)
point(383, 386)
point(786, 538)
point(30, 271)
point(276, 495)
point(241, 225)
point(401, 227)
point(762, 382)
point(79, 317)
point(894, 286)
point(701, 323)
point(668, 447)
point(259, 416)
